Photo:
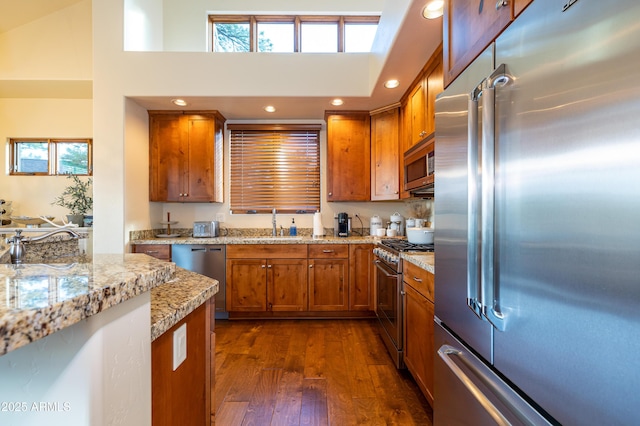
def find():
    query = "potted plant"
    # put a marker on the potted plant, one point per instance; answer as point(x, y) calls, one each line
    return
point(77, 198)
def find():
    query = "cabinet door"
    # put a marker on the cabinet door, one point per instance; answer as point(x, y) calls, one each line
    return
point(469, 27)
point(327, 280)
point(198, 176)
point(348, 156)
point(417, 106)
point(246, 285)
point(419, 347)
point(361, 270)
point(385, 152)
point(287, 285)
point(167, 142)
point(434, 83)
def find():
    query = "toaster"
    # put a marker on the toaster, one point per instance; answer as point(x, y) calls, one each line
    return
point(206, 229)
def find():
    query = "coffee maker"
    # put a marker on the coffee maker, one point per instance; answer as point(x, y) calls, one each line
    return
point(342, 225)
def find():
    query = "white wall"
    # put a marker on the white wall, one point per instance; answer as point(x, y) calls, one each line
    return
point(96, 372)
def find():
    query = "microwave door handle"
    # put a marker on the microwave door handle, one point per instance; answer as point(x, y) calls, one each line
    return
point(473, 282)
point(489, 292)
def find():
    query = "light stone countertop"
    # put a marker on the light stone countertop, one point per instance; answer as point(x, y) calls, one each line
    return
point(177, 298)
point(37, 300)
point(260, 240)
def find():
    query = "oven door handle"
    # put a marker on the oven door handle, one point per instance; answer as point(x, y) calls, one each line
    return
point(384, 271)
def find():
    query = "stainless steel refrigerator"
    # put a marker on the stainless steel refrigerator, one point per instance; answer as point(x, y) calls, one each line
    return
point(537, 205)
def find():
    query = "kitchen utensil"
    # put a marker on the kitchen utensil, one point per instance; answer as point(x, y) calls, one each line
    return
point(420, 235)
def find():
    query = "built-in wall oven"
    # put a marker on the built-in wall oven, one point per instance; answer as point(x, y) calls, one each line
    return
point(389, 292)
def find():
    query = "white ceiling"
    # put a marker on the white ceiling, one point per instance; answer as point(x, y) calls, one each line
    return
point(414, 44)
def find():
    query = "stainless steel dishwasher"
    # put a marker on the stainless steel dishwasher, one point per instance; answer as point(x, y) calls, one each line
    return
point(208, 260)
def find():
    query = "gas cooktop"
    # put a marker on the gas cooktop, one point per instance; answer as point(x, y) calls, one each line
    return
point(404, 245)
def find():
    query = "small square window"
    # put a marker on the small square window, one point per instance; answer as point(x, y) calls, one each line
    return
point(358, 37)
point(231, 37)
point(275, 36)
point(319, 37)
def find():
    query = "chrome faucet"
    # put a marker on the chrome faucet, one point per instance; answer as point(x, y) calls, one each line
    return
point(273, 221)
point(17, 249)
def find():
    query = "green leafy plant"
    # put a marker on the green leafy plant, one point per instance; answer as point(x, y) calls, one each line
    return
point(76, 197)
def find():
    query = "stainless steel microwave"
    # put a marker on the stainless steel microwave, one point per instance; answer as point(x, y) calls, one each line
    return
point(419, 164)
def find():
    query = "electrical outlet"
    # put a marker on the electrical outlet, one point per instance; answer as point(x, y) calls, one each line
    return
point(179, 346)
point(220, 217)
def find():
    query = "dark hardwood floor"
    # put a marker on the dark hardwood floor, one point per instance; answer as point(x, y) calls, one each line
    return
point(311, 372)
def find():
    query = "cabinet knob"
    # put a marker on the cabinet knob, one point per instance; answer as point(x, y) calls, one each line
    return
point(269, 266)
point(263, 266)
point(402, 292)
point(501, 3)
point(310, 266)
point(330, 194)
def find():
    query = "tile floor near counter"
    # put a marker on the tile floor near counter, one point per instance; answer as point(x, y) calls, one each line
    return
point(311, 372)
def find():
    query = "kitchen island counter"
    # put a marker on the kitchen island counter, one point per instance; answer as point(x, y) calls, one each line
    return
point(40, 299)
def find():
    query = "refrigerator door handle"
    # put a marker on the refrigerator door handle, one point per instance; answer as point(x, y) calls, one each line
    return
point(473, 282)
point(490, 304)
point(446, 353)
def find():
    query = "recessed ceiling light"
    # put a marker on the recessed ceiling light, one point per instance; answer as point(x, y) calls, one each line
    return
point(179, 102)
point(433, 9)
point(337, 102)
point(391, 84)
point(270, 108)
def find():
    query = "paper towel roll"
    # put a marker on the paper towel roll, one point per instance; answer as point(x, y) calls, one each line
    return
point(318, 229)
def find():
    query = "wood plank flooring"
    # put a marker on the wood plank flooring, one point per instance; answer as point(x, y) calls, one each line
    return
point(311, 372)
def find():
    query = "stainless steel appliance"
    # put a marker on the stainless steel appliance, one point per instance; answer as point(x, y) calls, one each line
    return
point(389, 292)
point(206, 229)
point(208, 260)
point(537, 244)
point(419, 166)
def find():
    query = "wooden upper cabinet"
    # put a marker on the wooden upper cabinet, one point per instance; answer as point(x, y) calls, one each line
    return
point(385, 152)
point(186, 156)
point(348, 156)
point(469, 27)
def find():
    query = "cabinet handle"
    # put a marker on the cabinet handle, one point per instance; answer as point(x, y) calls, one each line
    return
point(271, 306)
point(152, 251)
point(328, 251)
point(310, 266)
point(263, 266)
point(501, 3)
point(416, 279)
point(269, 266)
point(402, 293)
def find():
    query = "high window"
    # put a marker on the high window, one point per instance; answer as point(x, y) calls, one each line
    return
point(241, 33)
point(50, 157)
point(274, 166)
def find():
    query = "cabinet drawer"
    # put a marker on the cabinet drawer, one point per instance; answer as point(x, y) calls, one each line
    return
point(159, 251)
point(328, 251)
point(419, 279)
point(266, 251)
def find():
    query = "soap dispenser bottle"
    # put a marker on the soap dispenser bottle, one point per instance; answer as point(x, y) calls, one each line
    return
point(293, 229)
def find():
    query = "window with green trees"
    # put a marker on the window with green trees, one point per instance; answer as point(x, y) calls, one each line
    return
point(50, 157)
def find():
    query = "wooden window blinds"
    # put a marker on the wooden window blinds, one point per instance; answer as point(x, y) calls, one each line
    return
point(274, 167)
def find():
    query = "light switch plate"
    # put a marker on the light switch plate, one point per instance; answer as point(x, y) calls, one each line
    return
point(179, 346)
point(220, 217)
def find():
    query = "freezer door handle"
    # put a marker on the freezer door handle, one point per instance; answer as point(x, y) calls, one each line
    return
point(490, 304)
point(448, 353)
point(473, 282)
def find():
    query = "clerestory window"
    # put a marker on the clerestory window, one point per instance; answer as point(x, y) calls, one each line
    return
point(270, 33)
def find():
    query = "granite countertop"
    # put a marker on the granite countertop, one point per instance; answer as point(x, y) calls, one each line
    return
point(40, 299)
point(423, 260)
point(177, 298)
point(260, 240)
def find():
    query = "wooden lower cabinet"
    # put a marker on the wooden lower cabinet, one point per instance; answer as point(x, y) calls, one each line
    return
point(278, 279)
point(183, 396)
point(361, 270)
point(328, 277)
point(419, 350)
point(159, 251)
point(269, 277)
